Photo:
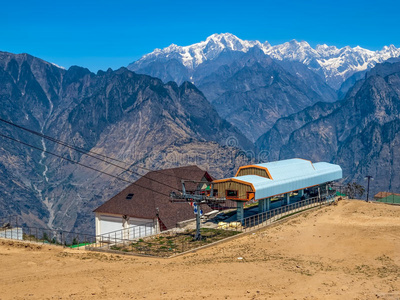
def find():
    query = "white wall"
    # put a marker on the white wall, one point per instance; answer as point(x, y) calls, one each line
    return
point(12, 233)
point(116, 227)
point(106, 223)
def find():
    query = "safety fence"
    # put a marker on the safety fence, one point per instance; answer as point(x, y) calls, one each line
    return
point(12, 227)
point(391, 198)
point(165, 244)
point(57, 237)
point(270, 216)
point(130, 233)
point(9, 229)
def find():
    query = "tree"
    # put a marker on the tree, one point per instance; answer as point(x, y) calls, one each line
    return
point(354, 190)
point(45, 237)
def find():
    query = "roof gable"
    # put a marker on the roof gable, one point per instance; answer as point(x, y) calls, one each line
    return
point(151, 196)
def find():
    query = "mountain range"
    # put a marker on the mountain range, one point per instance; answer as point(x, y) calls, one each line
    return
point(215, 104)
point(334, 64)
point(253, 84)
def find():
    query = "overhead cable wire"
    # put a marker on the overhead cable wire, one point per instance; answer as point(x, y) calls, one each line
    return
point(88, 167)
point(88, 153)
point(93, 155)
point(81, 164)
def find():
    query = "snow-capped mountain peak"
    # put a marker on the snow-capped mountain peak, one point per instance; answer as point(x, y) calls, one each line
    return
point(292, 50)
point(334, 64)
point(223, 37)
point(231, 42)
point(325, 50)
point(193, 55)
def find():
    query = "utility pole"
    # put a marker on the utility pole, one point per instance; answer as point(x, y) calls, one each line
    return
point(197, 199)
point(198, 225)
point(197, 202)
point(368, 177)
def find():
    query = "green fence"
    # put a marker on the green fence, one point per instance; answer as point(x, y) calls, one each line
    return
point(394, 198)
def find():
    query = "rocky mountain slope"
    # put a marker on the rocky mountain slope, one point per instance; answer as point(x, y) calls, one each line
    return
point(246, 86)
point(254, 91)
point(134, 118)
point(361, 133)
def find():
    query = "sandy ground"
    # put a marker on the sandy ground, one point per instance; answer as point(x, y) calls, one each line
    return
point(349, 251)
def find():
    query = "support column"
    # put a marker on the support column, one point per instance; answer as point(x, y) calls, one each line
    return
point(239, 210)
point(268, 203)
point(125, 232)
point(261, 205)
point(198, 215)
point(287, 198)
point(301, 193)
point(97, 224)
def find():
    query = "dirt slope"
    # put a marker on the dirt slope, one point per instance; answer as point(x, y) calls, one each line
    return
point(349, 251)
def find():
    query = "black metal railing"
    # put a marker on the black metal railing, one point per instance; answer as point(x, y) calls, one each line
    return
point(58, 237)
point(165, 244)
point(270, 216)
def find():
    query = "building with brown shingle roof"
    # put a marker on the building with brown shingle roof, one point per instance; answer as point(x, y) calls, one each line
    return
point(145, 206)
point(381, 195)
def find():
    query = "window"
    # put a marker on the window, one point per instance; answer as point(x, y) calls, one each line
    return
point(231, 193)
point(215, 193)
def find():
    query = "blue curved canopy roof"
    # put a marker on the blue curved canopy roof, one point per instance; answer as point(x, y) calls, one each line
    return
point(291, 175)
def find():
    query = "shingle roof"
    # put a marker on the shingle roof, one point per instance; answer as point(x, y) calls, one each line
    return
point(384, 195)
point(145, 201)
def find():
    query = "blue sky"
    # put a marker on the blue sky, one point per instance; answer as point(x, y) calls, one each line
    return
point(101, 34)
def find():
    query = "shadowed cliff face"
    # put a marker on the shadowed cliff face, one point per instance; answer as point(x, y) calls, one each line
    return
point(254, 91)
point(360, 133)
point(134, 118)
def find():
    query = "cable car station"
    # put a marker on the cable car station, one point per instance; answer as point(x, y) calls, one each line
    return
point(263, 182)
